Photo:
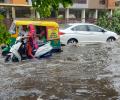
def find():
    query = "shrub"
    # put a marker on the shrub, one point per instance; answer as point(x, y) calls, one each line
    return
point(4, 34)
point(110, 22)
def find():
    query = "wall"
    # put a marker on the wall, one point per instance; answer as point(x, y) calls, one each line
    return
point(95, 5)
point(18, 1)
point(7, 1)
point(110, 4)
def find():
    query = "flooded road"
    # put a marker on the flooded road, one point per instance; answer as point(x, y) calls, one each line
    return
point(87, 72)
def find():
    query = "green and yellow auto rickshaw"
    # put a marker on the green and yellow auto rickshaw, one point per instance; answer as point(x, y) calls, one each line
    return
point(51, 32)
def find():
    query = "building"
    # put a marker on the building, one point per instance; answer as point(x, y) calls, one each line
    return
point(118, 3)
point(16, 8)
point(81, 9)
point(85, 9)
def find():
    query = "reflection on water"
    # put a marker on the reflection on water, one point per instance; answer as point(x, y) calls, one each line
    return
point(86, 72)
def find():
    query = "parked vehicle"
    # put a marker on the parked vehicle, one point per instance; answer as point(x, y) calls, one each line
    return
point(85, 33)
point(15, 54)
point(50, 28)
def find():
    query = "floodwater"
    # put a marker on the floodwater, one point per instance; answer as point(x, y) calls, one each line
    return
point(85, 72)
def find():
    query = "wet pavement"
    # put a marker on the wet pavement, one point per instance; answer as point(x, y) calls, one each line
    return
point(85, 72)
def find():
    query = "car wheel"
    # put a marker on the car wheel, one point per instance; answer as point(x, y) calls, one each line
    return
point(111, 39)
point(72, 41)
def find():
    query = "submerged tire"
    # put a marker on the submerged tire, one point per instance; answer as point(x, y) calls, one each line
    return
point(111, 39)
point(14, 59)
point(72, 41)
point(7, 58)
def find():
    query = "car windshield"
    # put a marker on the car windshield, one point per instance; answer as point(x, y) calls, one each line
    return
point(64, 26)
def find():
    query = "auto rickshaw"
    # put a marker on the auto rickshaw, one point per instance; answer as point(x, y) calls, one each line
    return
point(51, 33)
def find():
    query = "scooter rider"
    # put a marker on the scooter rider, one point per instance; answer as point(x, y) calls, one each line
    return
point(17, 47)
point(22, 49)
point(27, 48)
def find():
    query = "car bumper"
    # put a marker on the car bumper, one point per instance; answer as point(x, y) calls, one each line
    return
point(63, 40)
point(117, 37)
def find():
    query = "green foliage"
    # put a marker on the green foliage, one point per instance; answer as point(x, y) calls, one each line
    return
point(1, 17)
point(44, 7)
point(4, 34)
point(60, 17)
point(110, 22)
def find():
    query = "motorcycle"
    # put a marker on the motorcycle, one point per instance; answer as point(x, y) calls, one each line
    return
point(14, 55)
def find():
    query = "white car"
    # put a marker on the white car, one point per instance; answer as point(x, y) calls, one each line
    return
point(85, 33)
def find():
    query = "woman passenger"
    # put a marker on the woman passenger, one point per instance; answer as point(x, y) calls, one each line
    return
point(31, 43)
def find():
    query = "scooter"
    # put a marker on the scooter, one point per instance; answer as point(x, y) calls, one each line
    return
point(14, 54)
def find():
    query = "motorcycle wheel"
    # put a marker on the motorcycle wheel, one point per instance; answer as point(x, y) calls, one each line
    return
point(14, 59)
point(8, 58)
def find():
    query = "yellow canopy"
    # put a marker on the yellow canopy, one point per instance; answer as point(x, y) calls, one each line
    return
point(39, 23)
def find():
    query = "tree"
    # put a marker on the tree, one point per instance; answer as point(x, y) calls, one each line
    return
point(4, 34)
point(111, 23)
point(44, 7)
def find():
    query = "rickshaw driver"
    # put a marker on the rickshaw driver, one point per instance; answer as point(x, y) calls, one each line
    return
point(23, 31)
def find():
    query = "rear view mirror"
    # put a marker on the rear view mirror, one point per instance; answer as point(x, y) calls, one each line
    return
point(12, 32)
point(103, 30)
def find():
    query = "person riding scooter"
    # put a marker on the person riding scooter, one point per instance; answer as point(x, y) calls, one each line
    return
point(22, 49)
point(15, 53)
point(17, 49)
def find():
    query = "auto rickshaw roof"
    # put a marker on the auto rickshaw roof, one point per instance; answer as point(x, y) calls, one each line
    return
point(39, 23)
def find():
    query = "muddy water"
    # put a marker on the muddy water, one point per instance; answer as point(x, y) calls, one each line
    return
point(87, 72)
